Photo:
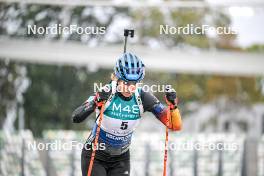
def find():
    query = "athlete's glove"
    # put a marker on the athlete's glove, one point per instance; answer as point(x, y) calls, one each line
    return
point(171, 97)
point(103, 94)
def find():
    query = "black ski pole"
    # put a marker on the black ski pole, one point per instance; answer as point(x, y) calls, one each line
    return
point(128, 32)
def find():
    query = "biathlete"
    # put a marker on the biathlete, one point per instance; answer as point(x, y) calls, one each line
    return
point(124, 105)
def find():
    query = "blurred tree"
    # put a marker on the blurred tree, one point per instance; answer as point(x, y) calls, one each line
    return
point(148, 24)
point(146, 21)
point(55, 92)
point(255, 48)
point(7, 88)
point(240, 89)
point(207, 88)
point(13, 83)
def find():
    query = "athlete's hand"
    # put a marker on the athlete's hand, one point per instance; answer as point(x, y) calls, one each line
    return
point(103, 94)
point(171, 96)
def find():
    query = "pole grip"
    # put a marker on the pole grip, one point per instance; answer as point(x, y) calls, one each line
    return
point(129, 32)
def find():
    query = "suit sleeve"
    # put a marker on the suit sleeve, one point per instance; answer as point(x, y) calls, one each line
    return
point(170, 118)
point(83, 111)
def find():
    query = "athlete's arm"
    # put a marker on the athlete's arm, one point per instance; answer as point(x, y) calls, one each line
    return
point(83, 111)
point(152, 104)
point(87, 108)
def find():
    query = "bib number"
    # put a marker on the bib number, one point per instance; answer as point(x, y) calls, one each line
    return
point(124, 125)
